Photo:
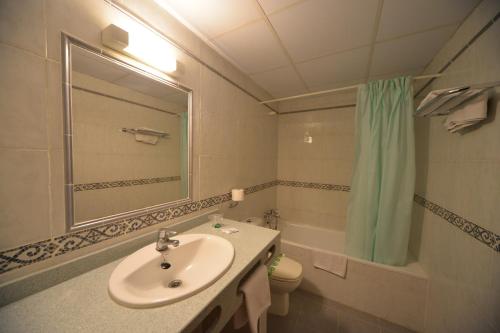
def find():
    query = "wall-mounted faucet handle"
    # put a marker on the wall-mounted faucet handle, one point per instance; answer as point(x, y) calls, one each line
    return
point(165, 233)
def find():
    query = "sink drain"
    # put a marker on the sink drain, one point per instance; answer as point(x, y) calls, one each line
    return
point(174, 283)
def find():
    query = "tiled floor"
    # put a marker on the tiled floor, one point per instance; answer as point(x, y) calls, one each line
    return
point(312, 314)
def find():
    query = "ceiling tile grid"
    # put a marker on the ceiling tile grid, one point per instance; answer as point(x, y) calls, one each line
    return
point(279, 82)
point(311, 29)
point(335, 68)
point(413, 51)
point(295, 46)
point(403, 17)
point(253, 47)
point(214, 17)
point(271, 6)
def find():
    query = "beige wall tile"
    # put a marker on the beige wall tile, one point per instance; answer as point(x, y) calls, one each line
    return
point(57, 196)
point(459, 172)
point(334, 99)
point(22, 25)
point(54, 104)
point(253, 205)
point(80, 18)
point(328, 159)
point(22, 99)
point(24, 197)
point(320, 208)
point(484, 178)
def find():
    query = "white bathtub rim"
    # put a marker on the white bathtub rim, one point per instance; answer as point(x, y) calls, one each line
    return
point(415, 270)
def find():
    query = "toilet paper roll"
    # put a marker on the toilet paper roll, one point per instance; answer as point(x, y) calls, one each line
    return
point(237, 194)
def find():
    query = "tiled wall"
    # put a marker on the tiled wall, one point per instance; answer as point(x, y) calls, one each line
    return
point(227, 121)
point(102, 153)
point(461, 173)
point(327, 159)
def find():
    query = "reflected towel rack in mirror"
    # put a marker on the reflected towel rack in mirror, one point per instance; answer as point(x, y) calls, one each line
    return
point(144, 131)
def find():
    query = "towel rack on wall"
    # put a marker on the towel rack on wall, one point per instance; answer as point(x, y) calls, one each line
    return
point(448, 100)
point(146, 132)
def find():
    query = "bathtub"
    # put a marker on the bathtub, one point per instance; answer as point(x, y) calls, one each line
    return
point(395, 294)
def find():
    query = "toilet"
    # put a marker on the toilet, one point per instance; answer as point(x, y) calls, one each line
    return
point(285, 277)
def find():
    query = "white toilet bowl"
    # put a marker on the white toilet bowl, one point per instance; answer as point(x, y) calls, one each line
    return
point(285, 277)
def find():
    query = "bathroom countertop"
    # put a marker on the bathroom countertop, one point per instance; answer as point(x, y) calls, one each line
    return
point(82, 304)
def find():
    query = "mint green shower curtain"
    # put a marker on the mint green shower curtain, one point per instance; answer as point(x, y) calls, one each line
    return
point(379, 213)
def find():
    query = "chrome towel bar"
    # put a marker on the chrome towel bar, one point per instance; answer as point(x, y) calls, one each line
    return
point(146, 131)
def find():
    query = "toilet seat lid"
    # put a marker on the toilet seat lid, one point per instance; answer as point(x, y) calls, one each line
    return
point(287, 270)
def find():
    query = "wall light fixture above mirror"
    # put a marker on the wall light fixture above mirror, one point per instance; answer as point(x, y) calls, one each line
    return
point(142, 44)
point(127, 137)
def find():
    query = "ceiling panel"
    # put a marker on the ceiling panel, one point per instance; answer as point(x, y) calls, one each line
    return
point(340, 67)
point(412, 72)
point(401, 17)
point(318, 27)
point(253, 47)
point(411, 52)
point(329, 41)
point(270, 6)
point(213, 17)
point(280, 82)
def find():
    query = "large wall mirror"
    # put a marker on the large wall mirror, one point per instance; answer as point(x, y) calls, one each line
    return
point(127, 137)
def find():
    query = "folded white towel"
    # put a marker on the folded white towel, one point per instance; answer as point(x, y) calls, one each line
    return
point(145, 138)
point(434, 101)
point(442, 102)
point(257, 300)
point(468, 114)
point(330, 262)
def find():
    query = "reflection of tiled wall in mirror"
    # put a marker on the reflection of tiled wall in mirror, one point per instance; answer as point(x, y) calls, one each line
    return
point(102, 153)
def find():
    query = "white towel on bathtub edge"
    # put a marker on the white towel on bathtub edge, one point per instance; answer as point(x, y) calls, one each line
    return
point(330, 262)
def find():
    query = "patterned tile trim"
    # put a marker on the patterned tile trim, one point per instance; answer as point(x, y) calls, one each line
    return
point(31, 253)
point(317, 186)
point(481, 234)
point(123, 183)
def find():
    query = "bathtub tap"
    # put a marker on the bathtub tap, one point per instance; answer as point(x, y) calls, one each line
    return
point(270, 215)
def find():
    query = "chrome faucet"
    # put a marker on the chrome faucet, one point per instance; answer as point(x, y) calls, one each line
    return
point(270, 216)
point(164, 240)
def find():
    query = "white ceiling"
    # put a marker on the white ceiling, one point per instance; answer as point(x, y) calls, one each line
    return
point(296, 46)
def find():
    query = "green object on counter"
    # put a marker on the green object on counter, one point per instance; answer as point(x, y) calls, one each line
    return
point(274, 263)
point(217, 225)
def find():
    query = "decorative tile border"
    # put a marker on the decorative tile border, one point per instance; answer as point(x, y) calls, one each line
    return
point(316, 186)
point(32, 253)
point(123, 183)
point(260, 187)
point(481, 234)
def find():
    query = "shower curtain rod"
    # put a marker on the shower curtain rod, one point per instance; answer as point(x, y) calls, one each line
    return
point(422, 77)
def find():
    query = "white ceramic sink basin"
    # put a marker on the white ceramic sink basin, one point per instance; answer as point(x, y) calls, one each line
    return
point(200, 259)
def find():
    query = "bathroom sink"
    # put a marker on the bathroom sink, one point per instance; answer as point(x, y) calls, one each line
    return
point(139, 281)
